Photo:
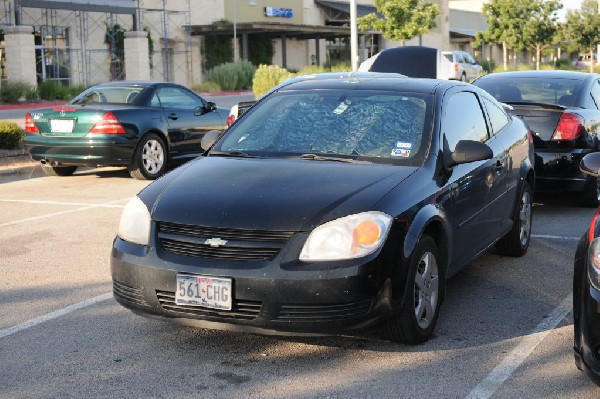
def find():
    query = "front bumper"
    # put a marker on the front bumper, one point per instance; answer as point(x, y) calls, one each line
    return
point(109, 150)
point(269, 297)
point(558, 169)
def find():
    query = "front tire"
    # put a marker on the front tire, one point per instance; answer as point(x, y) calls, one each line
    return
point(149, 158)
point(516, 241)
point(425, 287)
point(58, 170)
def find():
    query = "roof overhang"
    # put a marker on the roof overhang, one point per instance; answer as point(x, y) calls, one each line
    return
point(273, 29)
point(361, 10)
point(113, 6)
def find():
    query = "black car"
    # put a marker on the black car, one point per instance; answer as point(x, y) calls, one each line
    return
point(141, 125)
point(562, 111)
point(331, 205)
point(586, 289)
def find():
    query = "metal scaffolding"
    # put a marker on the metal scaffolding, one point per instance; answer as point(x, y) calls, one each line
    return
point(84, 46)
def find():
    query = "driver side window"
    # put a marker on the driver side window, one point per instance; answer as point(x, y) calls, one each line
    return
point(464, 120)
point(175, 97)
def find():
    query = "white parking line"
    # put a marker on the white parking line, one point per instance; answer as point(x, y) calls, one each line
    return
point(61, 203)
point(517, 356)
point(53, 315)
point(555, 237)
point(49, 215)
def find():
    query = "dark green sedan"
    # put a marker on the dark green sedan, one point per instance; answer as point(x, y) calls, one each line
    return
point(141, 125)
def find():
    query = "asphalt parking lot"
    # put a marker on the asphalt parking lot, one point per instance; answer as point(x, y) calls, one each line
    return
point(505, 330)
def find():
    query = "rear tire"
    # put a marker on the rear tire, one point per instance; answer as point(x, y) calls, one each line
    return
point(149, 158)
point(58, 170)
point(516, 241)
point(425, 288)
point(591, 193)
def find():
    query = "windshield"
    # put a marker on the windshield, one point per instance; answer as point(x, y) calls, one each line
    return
point(108, 94)
point(534, 90)
point(382, 127)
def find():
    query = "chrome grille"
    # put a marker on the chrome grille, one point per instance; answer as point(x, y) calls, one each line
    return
point(240, 310)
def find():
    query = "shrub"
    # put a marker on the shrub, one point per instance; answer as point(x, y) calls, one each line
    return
point(232, 76)
point(267, 77)
point(52, 90)
point(10, 135)
point(207, 87)
point(488, 66)
point(14, 92)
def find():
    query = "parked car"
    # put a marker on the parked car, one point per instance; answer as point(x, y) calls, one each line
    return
point(141, 125)
point(462, 65)
point(330, 206)
point(586, 289)
point(562, 110)
point(411, 61)
point(584, 62)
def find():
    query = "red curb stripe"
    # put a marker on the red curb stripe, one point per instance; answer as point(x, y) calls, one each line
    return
point(32, 105)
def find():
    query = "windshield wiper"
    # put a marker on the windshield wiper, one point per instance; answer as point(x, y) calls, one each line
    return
point(315, 157)
point(238, 154)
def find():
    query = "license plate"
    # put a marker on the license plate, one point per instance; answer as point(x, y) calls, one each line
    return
point(62, 125)
point(209, 292)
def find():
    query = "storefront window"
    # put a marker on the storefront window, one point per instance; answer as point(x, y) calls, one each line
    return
point(52, 53)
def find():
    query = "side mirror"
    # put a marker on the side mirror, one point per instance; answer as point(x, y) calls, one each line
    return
point(469, 151)
point(210, 138)
point(590, 164)
point(206, 108)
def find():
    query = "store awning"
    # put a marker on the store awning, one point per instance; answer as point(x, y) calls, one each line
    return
point(361, 10)
point(273, 29)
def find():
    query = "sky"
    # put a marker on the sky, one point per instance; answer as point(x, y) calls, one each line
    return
point(570, 4)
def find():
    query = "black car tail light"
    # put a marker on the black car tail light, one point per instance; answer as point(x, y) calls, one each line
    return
point(30, 126)
point(568, 128)
point(108, 124)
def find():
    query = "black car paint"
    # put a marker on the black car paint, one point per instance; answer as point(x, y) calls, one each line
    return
point(557, 162)
point(465, 208)
point(586, 309)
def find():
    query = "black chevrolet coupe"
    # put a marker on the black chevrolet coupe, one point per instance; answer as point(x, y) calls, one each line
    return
point(329, 206)
point(141, 125)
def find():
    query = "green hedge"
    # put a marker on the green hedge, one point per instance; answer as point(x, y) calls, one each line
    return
point(53, 90)
point(10, 135)
point(232, 76)
point(13, 92)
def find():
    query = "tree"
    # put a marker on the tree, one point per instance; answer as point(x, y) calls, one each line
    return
point(583, 27)
point(402, 19)
point(505, 20)
point(541, 25)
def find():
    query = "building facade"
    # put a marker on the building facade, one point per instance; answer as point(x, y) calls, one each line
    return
point(89, 41)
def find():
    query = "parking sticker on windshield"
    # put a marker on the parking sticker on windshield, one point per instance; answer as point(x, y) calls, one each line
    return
point(399, 152)
point(341, 108)
point(403, 145)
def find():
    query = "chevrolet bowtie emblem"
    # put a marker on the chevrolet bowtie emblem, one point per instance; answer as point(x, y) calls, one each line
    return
point(215, 242)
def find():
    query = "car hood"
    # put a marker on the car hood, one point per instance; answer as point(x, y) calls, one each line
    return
point(270, 194)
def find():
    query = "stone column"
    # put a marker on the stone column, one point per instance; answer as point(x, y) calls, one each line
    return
point(20, 54)
point(137, 63)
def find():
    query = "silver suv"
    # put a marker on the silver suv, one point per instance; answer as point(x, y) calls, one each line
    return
point(462, 65)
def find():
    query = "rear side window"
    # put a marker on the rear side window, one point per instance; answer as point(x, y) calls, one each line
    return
point(596, 93)
point(464, 120)
point(498, 118)
point(531, 89)
point(458, 57)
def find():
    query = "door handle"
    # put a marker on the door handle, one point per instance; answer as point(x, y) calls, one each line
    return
point(173, 116)
point(499, 166)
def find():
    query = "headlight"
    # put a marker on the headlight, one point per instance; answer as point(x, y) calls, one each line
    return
point(349, 237)
point(135, 222)
point(594, 263)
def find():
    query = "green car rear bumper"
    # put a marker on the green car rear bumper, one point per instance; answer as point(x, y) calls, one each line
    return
point(109, 150)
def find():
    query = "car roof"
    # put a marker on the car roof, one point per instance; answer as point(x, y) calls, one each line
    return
point(540, 74)
point(382, 82)
point(134, 83)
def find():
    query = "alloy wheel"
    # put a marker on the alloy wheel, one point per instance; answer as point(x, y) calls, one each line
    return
point(426, 290)
point(525, 218)
point(153, 156)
